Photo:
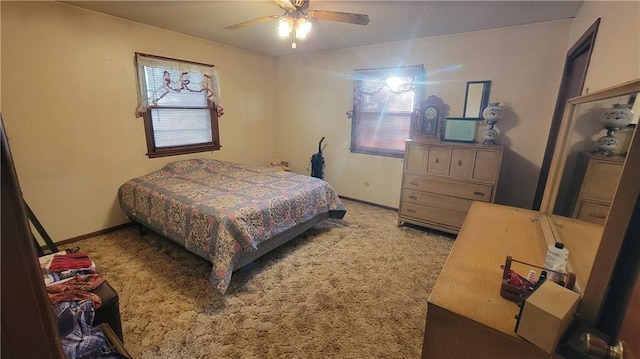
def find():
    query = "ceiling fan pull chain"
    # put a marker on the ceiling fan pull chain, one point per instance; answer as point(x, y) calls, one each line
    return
point(293, 37)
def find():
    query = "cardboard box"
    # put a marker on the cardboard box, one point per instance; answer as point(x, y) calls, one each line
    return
point(546, 314)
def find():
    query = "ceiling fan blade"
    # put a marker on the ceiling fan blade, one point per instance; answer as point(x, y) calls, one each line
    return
point(251, 22)
point(286, 5)
point(351, 18)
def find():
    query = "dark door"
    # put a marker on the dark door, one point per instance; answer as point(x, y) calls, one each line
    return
point(575, 71)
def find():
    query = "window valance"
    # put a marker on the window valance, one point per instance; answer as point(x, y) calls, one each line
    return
point(169, 81)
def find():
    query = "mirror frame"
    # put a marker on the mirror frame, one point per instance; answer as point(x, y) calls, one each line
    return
point(613, 231)
point(483, 100)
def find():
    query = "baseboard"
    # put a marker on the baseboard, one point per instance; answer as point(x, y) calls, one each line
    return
point(370, 203)
point(89, 235)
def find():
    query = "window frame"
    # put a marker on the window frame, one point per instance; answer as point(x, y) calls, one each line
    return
point(154, 151)
point(415, 71)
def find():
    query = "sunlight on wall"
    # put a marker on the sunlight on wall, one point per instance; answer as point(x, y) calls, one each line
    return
point(524, 79)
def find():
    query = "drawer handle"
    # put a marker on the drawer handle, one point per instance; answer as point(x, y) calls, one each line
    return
point(414, 183)
point(411, 210)
point(459, 162)
point(597, 215)
point(413, 197)
point(437, 160)
point(476, 193)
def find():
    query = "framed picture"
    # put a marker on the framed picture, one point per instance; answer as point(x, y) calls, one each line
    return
point(459, 129)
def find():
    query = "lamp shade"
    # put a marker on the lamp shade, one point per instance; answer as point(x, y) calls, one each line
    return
point(302, 28)
point(493, 112)
point(618, 116)
point(285, 25)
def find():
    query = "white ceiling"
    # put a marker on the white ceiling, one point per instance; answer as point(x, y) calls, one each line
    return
point(390, 20)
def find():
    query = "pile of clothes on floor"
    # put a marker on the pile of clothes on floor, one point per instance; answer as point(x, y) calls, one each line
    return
point(70, 279)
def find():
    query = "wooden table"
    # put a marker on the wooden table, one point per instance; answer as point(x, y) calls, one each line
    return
point(467, 317)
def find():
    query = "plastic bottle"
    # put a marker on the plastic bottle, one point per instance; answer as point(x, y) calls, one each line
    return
point(557, 256)
point(560, 267)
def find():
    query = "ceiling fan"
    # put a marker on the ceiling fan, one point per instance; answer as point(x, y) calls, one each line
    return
point(294, 21)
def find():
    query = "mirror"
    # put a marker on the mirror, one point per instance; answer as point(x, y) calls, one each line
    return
point(594, 157)
point(585, 185)
point(476, 98)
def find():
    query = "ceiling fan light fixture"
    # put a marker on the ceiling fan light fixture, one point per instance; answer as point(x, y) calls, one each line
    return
point(294, 22)
point(285, 26)
point(302, 28)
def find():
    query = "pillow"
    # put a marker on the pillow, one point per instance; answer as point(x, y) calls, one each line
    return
point(184, 166)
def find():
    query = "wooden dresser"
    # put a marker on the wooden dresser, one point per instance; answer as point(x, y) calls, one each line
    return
point(599, 183)
point(466, 316)
point(440, 180)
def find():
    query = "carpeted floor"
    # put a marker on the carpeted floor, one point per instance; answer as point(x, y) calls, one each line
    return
point(352, 288)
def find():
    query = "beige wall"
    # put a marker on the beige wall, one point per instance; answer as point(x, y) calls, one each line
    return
point(69, 93)
point(615, 59)
point(524, 64)
point(616, 54)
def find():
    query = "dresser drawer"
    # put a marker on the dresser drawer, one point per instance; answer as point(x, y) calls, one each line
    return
point(449, 203)
point(601, 181)
point(592, 212)
point(431, 214)
point(476, 192)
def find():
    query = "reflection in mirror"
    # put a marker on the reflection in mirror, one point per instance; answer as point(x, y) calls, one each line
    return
point(476, 98)
point(584, 178)
point(594, 157)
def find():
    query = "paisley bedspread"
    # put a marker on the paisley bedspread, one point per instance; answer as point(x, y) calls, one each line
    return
point(219, 210)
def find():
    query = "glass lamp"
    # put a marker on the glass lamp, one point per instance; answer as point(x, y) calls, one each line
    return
point(613, 119)
point(491, 115)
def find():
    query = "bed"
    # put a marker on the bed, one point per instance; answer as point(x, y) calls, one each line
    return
point(227, 213)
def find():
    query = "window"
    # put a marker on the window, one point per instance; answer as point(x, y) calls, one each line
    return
point(384, 101)
point(179, 102)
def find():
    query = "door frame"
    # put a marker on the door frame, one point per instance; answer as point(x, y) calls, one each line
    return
point(584, 44)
